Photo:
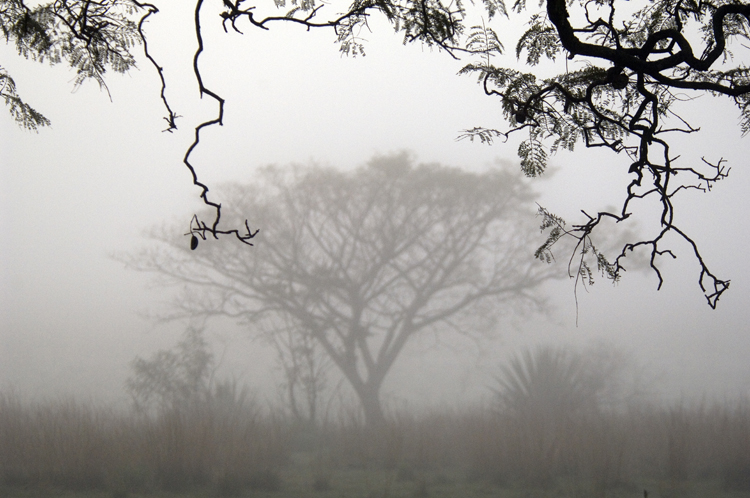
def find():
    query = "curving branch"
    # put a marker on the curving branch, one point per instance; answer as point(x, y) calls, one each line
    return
point(171, 117)
point(197, 227)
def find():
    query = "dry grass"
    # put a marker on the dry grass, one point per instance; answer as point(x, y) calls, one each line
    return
point(227, 448)
point(84, 448)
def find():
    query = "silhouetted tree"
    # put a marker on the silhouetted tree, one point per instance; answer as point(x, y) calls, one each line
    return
point(616, 72)
point(362, 261)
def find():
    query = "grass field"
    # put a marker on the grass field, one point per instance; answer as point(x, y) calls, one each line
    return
point(68, 449)
point(297, 482)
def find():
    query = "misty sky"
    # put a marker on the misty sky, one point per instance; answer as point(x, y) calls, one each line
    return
point(71, 317)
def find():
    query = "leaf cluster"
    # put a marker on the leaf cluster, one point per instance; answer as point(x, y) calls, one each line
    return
point(25, 115)
point(91, 37)
point(540, 40)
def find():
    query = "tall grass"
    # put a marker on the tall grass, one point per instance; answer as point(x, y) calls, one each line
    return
point(229, 443)
point(85, 447)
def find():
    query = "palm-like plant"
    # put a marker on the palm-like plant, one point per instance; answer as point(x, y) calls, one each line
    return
point(548, 380)
point(542, 395)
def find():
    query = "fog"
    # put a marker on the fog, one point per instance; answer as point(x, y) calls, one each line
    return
point(77, 195)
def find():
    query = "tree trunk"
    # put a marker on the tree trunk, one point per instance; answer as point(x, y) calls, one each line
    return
point(369, 397)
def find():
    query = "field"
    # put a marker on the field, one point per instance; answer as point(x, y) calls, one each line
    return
point(230, 447)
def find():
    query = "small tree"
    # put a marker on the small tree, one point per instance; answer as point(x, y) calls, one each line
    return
point(173, 378)
point(305, 367)
point(362, 261)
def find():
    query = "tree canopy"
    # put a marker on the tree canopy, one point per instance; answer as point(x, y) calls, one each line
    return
point(607, 74)
point(362, 261)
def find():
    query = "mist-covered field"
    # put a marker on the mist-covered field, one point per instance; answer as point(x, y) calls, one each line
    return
point(228, 444)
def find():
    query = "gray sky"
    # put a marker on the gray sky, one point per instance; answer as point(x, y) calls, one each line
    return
point(70, 316)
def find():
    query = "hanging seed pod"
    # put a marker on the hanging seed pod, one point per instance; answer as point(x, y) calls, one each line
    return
point(193, 243)
point(617, 78)
point(620, 81)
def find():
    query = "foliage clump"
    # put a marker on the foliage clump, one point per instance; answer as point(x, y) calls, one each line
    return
point(90, 37)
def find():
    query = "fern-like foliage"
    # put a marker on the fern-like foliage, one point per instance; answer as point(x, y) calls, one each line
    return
point(95, 37)
point(533, 157)
point(484, 40)
point(539, 40)
point(483, 135)
point(25, 115)
point(556, 227)
point(585, 254)
point(91, 37)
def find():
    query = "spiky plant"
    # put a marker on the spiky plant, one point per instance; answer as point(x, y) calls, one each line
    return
point(542, 394)
point(546, 380)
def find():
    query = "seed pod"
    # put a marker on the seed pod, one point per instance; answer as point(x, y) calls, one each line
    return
point(620, 81)
point(521, 116)
point(193, 243)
